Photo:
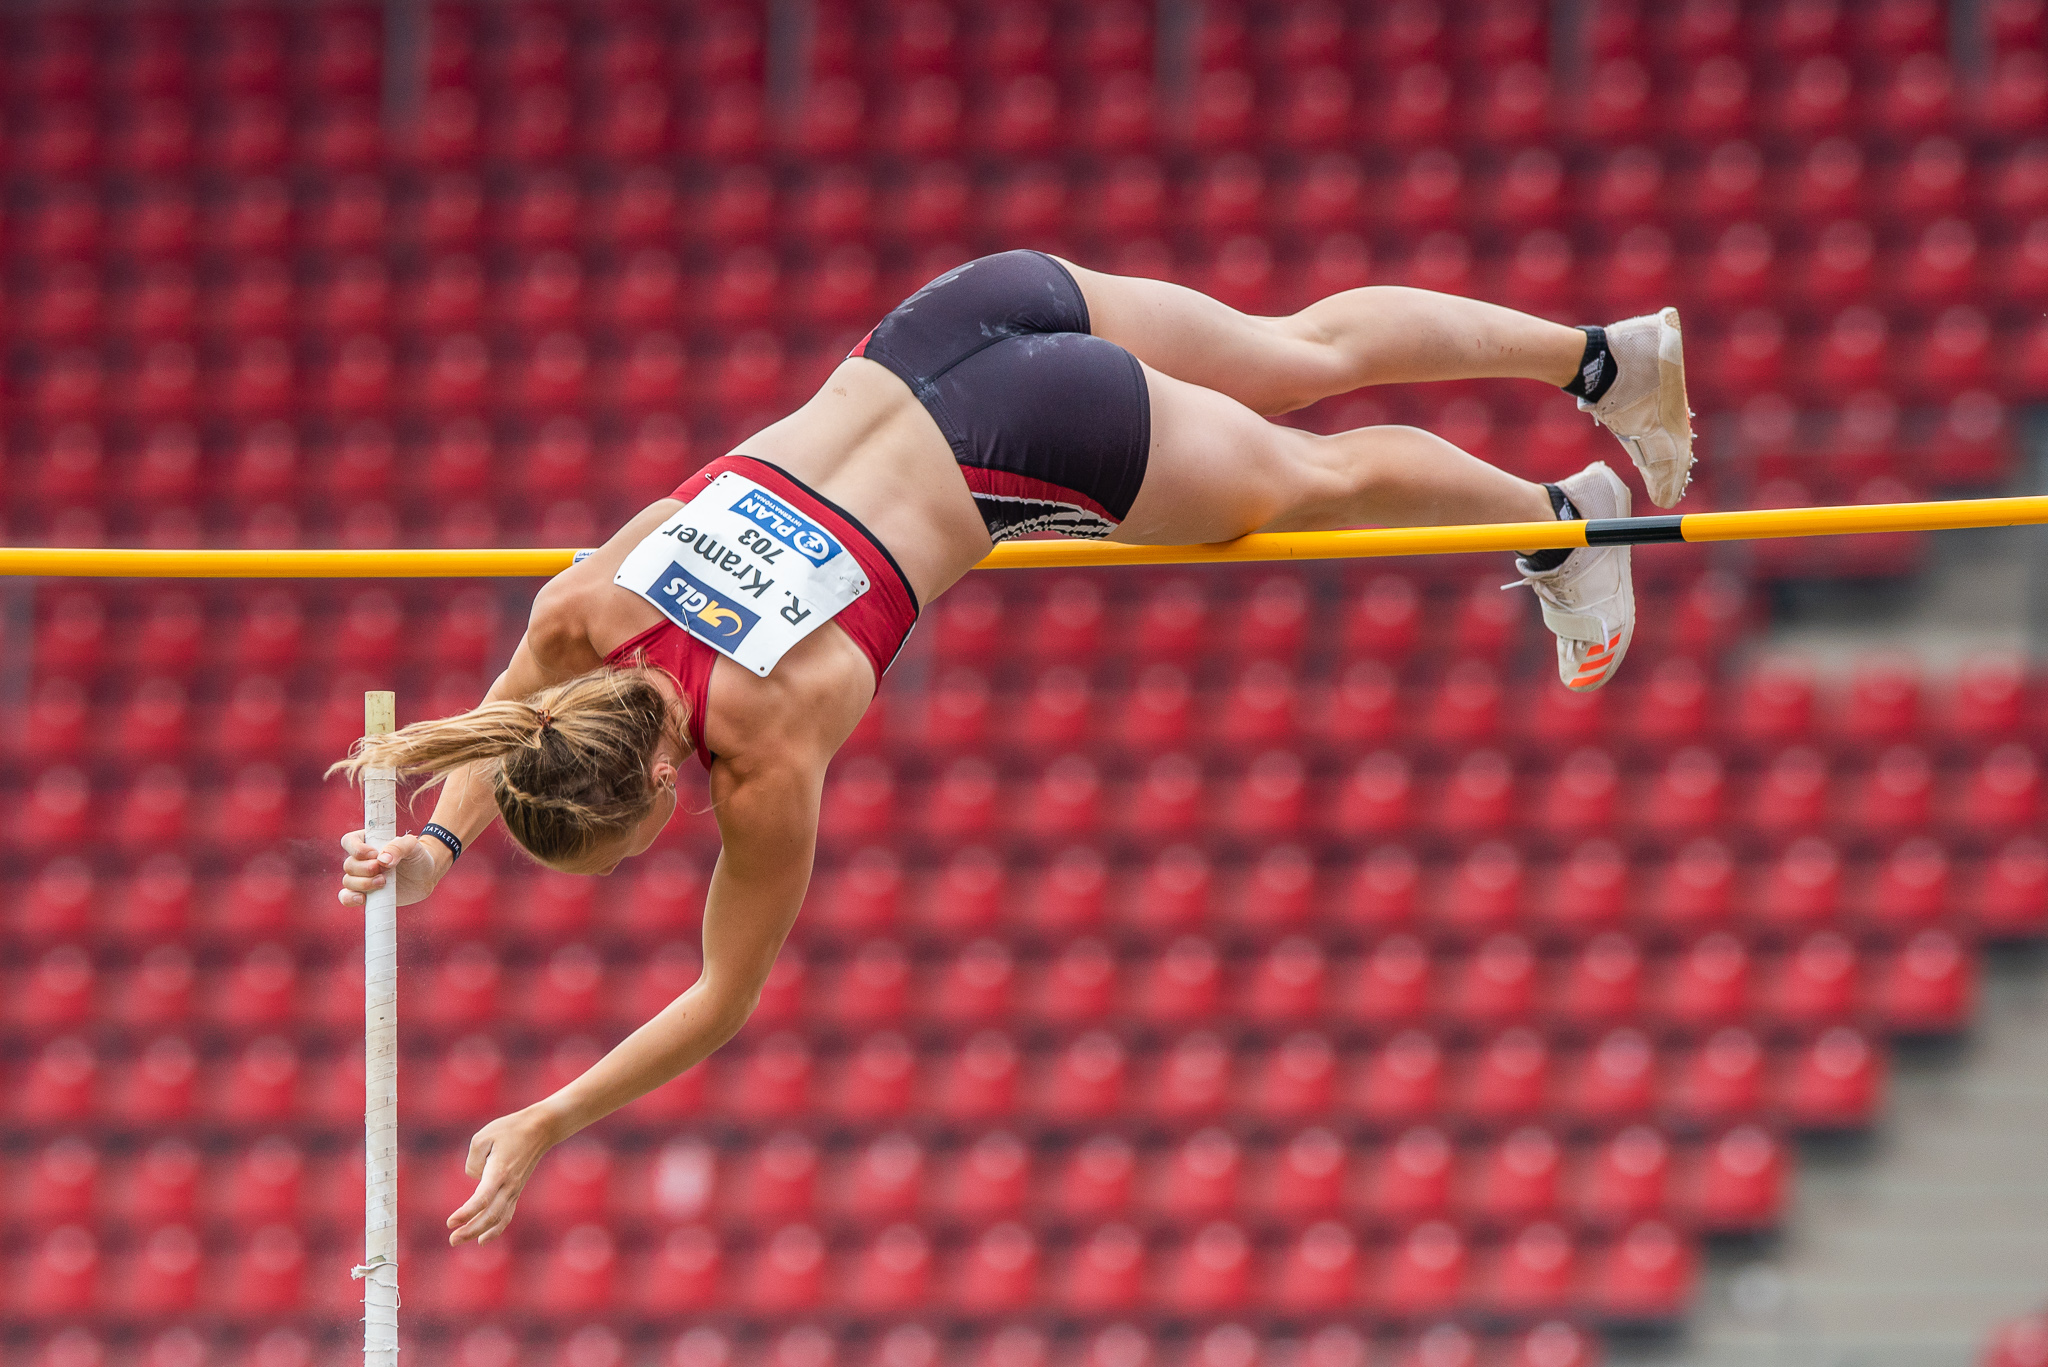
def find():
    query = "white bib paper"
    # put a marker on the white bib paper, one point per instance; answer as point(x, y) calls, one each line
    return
point(744, 572)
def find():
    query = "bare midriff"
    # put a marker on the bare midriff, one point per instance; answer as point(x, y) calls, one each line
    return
point(867, 444)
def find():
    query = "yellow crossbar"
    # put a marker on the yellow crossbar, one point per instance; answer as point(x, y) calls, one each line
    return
point(1382, 541)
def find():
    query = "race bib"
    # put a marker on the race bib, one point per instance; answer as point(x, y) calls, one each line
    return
point(744, 572)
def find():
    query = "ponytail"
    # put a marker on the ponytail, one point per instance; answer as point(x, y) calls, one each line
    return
point(567, 766)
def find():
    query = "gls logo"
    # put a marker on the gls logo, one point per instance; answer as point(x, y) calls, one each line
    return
point(787, 525)
point(701, 611)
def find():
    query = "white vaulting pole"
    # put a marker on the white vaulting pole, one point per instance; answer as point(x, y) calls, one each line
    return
point(379, 1272)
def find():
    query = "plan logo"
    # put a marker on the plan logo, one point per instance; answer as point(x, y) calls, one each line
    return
point(701, 610)
point(787, 525)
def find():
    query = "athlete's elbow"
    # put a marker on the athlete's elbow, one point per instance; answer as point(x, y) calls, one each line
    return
point(725, 1011)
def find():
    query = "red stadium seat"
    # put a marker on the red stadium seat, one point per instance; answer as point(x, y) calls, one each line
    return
point(871, 989)
point(1534, 1273)
point(1496, 984)
point(1775, 704)
point(158, 1088)
point(1286, 987)
point(1742, 1181)
point(1646, 1275)
point(1417, 109)
point(1363, 707)
point(258, 993)
point(61, 1276)
point(1485, 891)
point(787, 1277)
point(465, 991)
point(1956, 355)
point(1280, 893)
point(62, 1185)
point(157, 994)
point(1929, 987)
point(1466, 708)
point(1376, 798)
point(1942, 268)
point(1021, 118)
point(980, 1081)
point(1603, 984)
point(1638, 273)
point(1716, 101)
point(1510, 1078)
point(876, 1082)
point(1391, 985)
point(1085, 1081)
point(893, 1273)
point(684, 1273)
point(998, 1273)
point(163, 1274)
point(1743, 268)
point(1403, 1082)
point(1412, 1180)
point(1803, 887)
point(1628, 1178)
point(1918, 97)
point(885, 1181)
point(1819, 99)
point(1722, 1080)
point(1201, 1179)
point(1518, 1179)
point(1070, 895)
point(1730, 185)
point(1478, 799)
point(1707, 985)
point(991, 1177)
point(1211, 1274)
point(58, 904)
point(1834, 1083)
point(1307, 1179)
point(261, 1087)
point(1816, 983)
point(1319, 1274)
point(1193, 1081)
point(779, 1182)
point(1841, 267)
point(56, 995)
point(1580, 797)
point(468, 1081)
point(968, 897)
point(1792, 798)
point(1911, 887)
point(2003, 794)
point(1425, 1273)
point(2011, 898)
point(976, 988)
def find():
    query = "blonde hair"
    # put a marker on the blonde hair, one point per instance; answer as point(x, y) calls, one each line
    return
point(568, 765)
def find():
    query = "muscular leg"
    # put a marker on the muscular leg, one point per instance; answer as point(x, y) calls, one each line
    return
point(1219, 470)
point(1381, 334)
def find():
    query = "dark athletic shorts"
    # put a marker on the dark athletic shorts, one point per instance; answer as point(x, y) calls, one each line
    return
point(1051, 426)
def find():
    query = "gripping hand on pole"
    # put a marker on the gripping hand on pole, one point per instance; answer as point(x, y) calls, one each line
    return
point(365, 868)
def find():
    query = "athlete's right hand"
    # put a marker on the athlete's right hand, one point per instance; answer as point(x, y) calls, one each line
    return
point(365, 868)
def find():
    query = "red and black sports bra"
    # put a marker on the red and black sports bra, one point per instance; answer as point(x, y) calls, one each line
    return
point(879, 621)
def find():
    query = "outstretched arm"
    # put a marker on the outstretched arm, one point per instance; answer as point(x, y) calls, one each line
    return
point(553, 648)
point(768, 821)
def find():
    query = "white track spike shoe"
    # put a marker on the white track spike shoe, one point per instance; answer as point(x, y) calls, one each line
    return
point(1645, 407)
point(1589, 602)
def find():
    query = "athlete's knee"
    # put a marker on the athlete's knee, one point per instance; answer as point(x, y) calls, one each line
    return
point(1368, 458)
point(1309, 364)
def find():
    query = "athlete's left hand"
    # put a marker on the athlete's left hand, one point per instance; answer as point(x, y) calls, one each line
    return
point(502, 1157)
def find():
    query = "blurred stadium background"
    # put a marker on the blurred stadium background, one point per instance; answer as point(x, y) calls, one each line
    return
point(1216, 968)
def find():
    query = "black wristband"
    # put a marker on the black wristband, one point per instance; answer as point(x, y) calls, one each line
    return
point(445, 836)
